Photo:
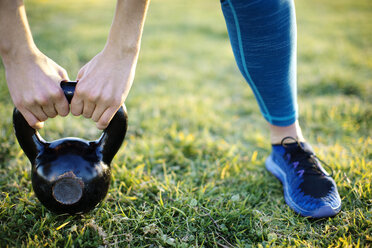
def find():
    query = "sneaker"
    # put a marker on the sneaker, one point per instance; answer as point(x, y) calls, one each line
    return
point(308, 189)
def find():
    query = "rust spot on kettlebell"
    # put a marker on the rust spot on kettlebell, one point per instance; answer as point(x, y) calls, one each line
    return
point(68, 190)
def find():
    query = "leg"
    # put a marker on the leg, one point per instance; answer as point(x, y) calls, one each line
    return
point(278, 133)
point(263, 37)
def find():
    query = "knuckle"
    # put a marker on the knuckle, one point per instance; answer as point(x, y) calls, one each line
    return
point(28, 102)
point(116, 101)
point(63, 71)
point(42, 100)
point(106, 98)
point(57, 95)
point(92, 97)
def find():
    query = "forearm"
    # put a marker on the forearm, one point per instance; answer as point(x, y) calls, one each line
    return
point(126, 29)
point(15, 35)
point(33, 79)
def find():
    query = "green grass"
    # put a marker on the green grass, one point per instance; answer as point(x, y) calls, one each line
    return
point(191, 171)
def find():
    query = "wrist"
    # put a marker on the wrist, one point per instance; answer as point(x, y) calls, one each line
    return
point(124, 39)
point(120, 51)
point(19, 53)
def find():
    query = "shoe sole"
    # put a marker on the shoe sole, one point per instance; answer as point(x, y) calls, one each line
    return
point(323, 212)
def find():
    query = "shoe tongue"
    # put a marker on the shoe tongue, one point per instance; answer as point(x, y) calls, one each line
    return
point(307, 147)
point(293, 148)
point(290, 147)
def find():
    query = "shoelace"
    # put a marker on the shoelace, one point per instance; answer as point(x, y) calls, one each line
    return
point(303, 165)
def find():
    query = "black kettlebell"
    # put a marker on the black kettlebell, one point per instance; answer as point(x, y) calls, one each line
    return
point(71, 175)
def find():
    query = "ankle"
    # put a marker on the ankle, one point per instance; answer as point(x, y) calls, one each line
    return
point(277, 133)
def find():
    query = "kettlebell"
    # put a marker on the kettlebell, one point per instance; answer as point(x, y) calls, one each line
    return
point(71, 175)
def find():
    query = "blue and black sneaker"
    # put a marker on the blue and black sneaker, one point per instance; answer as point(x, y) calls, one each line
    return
point(308, 189)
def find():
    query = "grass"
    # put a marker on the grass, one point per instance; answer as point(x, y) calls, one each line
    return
point(191, 171)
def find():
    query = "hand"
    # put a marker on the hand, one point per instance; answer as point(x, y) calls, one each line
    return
point(33, 82)
point(103, 86)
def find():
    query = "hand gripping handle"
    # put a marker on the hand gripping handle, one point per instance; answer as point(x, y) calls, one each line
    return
point(111, 139)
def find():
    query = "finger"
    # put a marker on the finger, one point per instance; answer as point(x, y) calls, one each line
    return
point(77, 106)
point(49, 110)
point(80, 74)
point(77, 102)
point(31, 119)
point(61, 103)
point(63, 74)
point(88, 109)
point(105, 118)
point(98, 111)
point(38, 112)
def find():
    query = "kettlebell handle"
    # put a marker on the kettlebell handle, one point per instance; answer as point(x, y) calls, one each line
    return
point(110, 141)
point(69, 89)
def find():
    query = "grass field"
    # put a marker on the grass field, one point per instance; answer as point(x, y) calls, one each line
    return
point(191, 171)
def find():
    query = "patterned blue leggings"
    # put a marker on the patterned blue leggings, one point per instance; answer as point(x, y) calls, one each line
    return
point(263, 37)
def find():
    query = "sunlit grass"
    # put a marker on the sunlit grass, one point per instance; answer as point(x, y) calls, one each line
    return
point(191, 171)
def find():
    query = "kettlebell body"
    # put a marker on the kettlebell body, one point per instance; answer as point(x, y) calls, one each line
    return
point(71, 175)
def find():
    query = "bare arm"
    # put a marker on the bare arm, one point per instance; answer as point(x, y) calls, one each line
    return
point(32, 78)
point(14, 30)
point(105, 81)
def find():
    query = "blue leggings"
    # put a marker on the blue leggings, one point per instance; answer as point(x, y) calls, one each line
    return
point(263, 37)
